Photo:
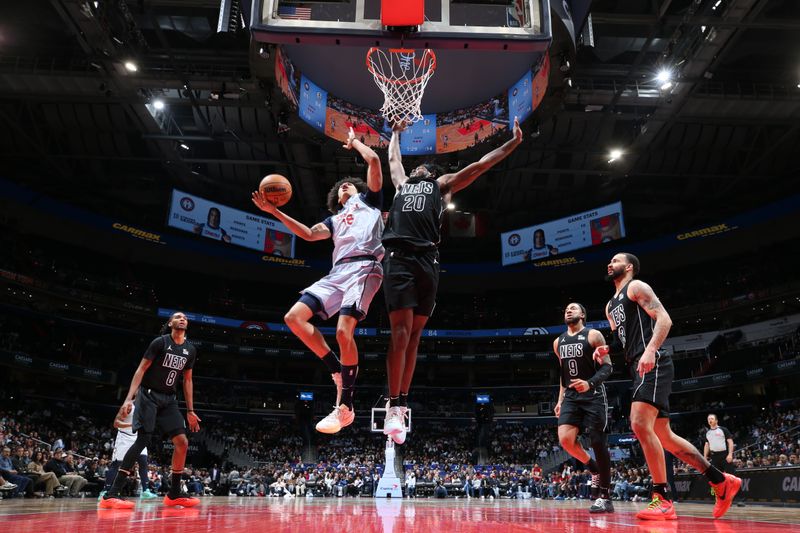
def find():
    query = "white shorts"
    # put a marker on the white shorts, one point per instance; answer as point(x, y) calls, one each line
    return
point(347, 290)
point(123, 443)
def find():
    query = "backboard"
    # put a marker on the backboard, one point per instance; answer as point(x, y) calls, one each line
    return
point(482, 46)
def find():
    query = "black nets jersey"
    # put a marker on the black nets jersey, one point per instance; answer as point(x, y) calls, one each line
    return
point(634, 326)
point(415, 217)
point(575, 355)
point(169, 361)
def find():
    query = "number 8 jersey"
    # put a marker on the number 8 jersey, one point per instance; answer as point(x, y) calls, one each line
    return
point(575, 355)
point(169, 361)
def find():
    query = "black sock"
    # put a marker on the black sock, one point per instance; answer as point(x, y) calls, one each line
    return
point(118, 485)
point(592, 466)
point(662, 489)
point(175, 484)
point(349, 374)
point(332, 362)
point(714, 476)
point(403, 400)
point(394, 401)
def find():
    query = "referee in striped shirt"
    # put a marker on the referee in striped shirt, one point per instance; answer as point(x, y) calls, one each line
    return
point(719, 446)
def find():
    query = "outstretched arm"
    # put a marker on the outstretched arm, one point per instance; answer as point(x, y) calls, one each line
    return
point(317, 232)
point(374, 173)
point(464, 177)
point(396, 169)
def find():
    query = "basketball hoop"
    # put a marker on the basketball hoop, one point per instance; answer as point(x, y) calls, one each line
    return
point(401, 74)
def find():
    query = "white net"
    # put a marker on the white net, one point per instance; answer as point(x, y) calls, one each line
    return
point(401, 75)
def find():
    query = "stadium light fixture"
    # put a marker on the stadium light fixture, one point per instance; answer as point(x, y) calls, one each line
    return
point(614, 155)
point(130, 66)
point(451, 206)
point(158, 105)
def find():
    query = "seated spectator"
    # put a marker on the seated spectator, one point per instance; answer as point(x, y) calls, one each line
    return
point(439, 491)
point(24, 485)
point(45, 480)
point(66, 473)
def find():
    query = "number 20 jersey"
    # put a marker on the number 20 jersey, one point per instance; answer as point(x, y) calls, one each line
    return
point(169, 362)
point(575, 355)
point(415, 217)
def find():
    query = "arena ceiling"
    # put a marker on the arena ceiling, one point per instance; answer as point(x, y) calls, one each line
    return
point(78, 125)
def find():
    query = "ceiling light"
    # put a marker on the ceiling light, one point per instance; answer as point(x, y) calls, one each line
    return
point(131, 66)
point(664, 75)
point(158, 105)
point(451, 206)
point(666, 85)
point(614, 154)
point(184, 146)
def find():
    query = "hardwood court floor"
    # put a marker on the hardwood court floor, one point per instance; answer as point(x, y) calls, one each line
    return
point(365, 515)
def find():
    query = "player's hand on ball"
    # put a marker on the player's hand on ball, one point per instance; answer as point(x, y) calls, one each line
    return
point(600, 353)
point(194, 421)
point(517, 130)
point(580, 385)
point(262, 203)
point(351, 136)
point(647, 362)
point(557, 409)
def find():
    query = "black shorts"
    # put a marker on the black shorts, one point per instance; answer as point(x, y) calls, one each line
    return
point(585, 413)
point(720, 461)
point(656, 386)
point(158, 411)
point(411, 280)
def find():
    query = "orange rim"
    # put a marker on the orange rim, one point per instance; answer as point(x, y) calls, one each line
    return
point(431, 65)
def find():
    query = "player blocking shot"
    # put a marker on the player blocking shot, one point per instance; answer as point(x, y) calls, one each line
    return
point(640, 324)
point(411, 264)
point(156, 410)
point(582, 401)
point(355, 226)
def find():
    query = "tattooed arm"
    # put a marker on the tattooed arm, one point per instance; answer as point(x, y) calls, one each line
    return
point(641, 293)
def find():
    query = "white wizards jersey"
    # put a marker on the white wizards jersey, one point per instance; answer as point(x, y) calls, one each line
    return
point(125, 439)
point(358, 227)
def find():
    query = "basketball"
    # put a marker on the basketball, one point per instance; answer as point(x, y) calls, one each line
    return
point(276, 188)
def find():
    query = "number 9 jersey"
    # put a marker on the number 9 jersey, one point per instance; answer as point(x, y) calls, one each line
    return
point(575, 355)
point(169, 361)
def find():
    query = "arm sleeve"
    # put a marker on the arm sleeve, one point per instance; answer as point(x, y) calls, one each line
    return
point(373, 199)
point(155, 349)
point(727, 434)
point(329, 223)
point(602, 374)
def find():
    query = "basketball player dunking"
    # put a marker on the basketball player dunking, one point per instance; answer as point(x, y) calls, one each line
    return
point(582, 401)
point(153, 385)
point(640, 325)
point(355, 227)
point(411, 264)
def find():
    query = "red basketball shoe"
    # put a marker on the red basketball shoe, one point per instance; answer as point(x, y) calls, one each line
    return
point(725, 492)
point(658, 509)
point(184, 500)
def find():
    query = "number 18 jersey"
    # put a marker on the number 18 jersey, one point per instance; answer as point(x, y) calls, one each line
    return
point(575, 354)
point(169, 361)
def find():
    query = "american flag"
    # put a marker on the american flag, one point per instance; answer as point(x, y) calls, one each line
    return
point(294, 12)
